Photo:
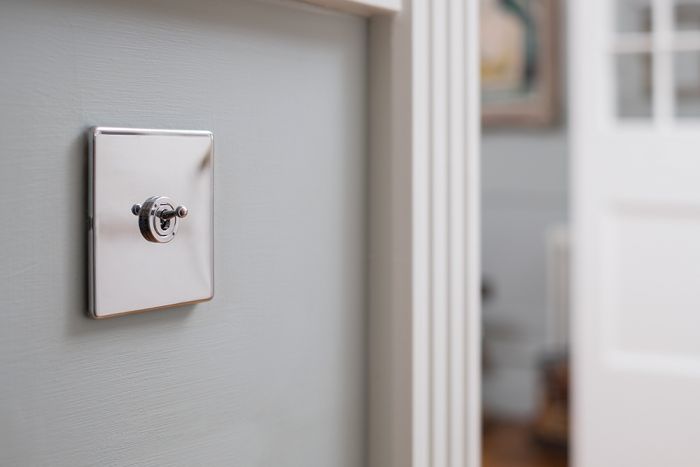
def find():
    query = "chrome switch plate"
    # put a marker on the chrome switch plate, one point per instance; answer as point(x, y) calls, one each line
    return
point(127, 167)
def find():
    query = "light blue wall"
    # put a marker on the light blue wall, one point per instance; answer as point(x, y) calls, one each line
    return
point(271, 372)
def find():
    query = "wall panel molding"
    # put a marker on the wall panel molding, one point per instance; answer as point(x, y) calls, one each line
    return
point(360, 7)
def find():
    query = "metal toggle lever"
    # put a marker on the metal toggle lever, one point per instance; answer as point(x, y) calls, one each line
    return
point(158, 218)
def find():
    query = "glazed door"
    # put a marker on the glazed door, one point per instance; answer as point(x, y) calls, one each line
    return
point(635, 119)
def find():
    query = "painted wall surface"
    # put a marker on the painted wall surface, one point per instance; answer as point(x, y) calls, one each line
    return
point(525, 192)
point(271, 372)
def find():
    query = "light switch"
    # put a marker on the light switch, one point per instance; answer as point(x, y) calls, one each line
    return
point(150, 238)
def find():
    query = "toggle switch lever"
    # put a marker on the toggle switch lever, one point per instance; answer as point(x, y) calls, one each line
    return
point(158, 218)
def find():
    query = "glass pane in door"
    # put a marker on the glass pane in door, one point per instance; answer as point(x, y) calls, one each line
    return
point(634, 79)
point(686, 83)
point(686, 14)
point(633, 16)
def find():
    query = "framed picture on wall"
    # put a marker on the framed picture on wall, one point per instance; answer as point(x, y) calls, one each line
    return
point(520, 62)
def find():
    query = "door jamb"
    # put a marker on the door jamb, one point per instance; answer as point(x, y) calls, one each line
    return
point(424, 271)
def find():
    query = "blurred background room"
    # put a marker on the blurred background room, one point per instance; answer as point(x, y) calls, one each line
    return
point(524, 230)
point(634, 186)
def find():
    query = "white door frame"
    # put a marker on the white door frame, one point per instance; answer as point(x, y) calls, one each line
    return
point(424, 274)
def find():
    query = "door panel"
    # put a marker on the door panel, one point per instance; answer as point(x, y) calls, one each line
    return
point(637, 234)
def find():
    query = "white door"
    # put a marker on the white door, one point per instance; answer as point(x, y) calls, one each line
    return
point(635, 120)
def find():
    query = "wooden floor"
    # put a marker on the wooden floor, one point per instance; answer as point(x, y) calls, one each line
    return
point(510, 444)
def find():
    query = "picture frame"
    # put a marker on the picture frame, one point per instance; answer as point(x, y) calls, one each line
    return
point(520, 65)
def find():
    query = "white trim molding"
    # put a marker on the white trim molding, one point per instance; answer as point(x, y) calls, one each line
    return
point(424, 325)
point(424, 273)
point(360, 7)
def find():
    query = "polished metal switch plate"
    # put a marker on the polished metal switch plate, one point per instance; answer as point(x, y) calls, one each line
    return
point(150, 210)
